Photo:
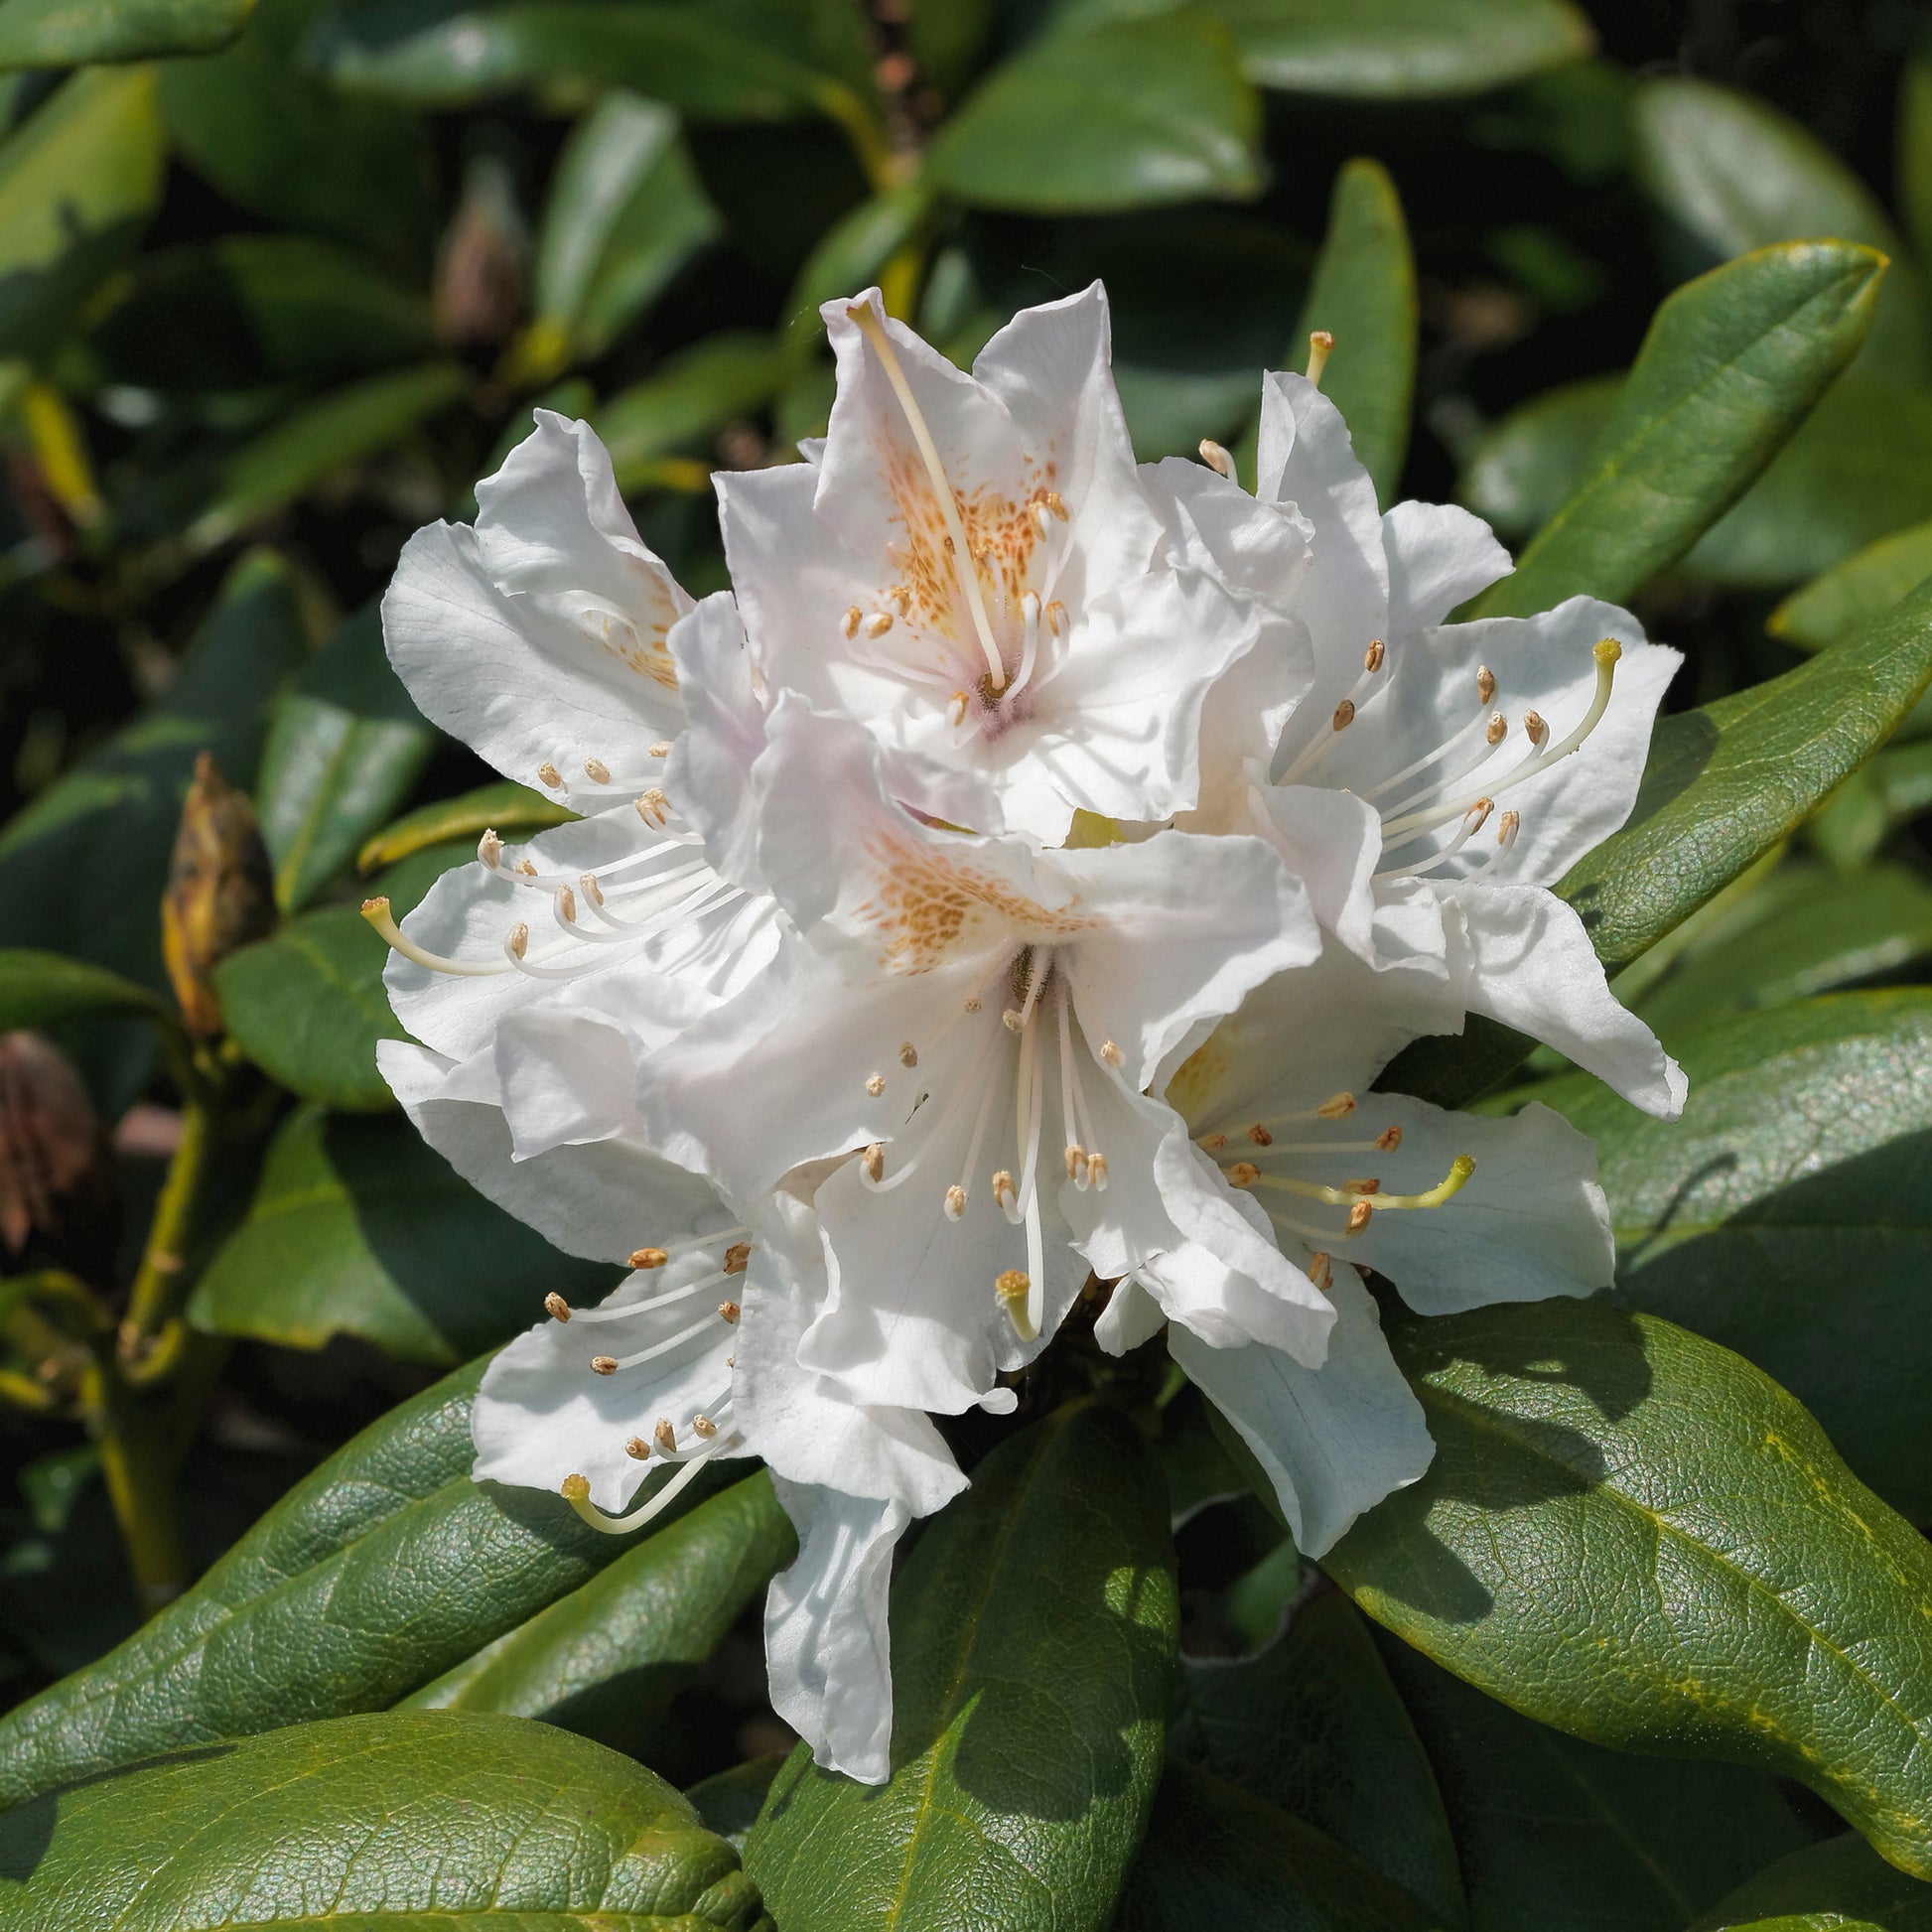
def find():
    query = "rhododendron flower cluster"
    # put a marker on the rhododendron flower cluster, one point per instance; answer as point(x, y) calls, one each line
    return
point(1003, 901)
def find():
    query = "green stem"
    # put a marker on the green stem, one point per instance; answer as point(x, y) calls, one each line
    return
point(138, 1462)
point(161, 1277)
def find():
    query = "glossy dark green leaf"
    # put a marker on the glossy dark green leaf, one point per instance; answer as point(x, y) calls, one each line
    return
point(1728, 781)
point(1033, 1632)
point(1842, 1886)
point(607, 1660)
point(1634, 1535)
point(1127, 115)
point(359, 1228)
point(78, 180)
point(376, 1824)
point(345, 750)
point(1558, 1835)
point(82, 865)
point(317, 439)
point(37, 989)
point(1401, 48)
point(1214, 1855)
point(282, 143)
point(1523, 468)
point(851, 253)
point(689, 398)
point(1732, 364)
point(1787, 1216)
point(77, 33)
point(1312, 1725)
point(626, 210)
point(380, 1571)
point(1855, 593)
point(1894, 787)
point(728, 1802)
point(1364, 295)
point(1736, 174)
point(251, 308)
point(307, 1004)
point(507, 805)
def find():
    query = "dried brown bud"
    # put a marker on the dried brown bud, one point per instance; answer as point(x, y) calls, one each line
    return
point(56, 1180)
point(221, 892)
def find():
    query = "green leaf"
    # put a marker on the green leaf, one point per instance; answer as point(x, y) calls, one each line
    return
point(1402, 49)
point(319, 438)
point(1558, 1835)
point(359, 1228)
point(1894, 787)
point(1131, 114)
point(1738, 174)
point(285, 145)
point(507, 805)
point(688, 399)
point(1364, 295)
point(728, 1802)
point(1522, 470)
point(307, 1004)
point(607, 1660)
point(1034, 1631)
point(1634, 1535)
point(1732, 364)
point(82, 867)
point(1215, 1857)
point(1785, 1215)
point(345, 750)
point(1915, 151)
point(1311, 1723)
point(1842, 1886)
point(79, 33)
point(37, 989)
point(78, 180)
point(627, 211)
point(1855, 593)
point(848, 255)
point(372, 1575)
point(377, 1824)
point(254, 309)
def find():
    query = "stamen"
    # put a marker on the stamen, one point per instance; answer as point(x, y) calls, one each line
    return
point(849, 623)
point(556, 1306)
point(550, 776)
point(636, 1448)
point(1339, 1106)
point(666, 1435)
point(1538, 731)
point(1110, 1052)
point(1030, 647)
point(737, 1257)
point(376, 912)
point(650, 1304)
point(955, 1202)
point(1389, 1139)
point(871, 1163)
point(908, 1054)
point(1359, 1217)
point(596, 771)
point(959, 702)
point(648, 1258)
point(1005, 1194)
point(875, 1084)
point(868, 326)
point(878, 623)
point(1016, 1292)
point(704, 1426)
point(592, 891)
point(1472, 822)
point(1507, 828)
point(653, 807)
point(1321, 1272)
point(1349, 1195)
point(604, 1365)
point(728, 1312)
point(1217, 459)
point(1372, 658)
point(1097, 1171)
point(1243, 1173)
point(1321, 347)
point(489, 848)
point(661, 750)
point(1486, 685)
point(1260, 1135)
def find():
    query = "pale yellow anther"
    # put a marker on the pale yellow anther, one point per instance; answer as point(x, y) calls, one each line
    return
point(1389, 1139)
point(1486, 685)
point(1374, 657)
point(604, 1365)
point(665, 1436)
point(1359, 1217)
point(550, 776)
point(1338, 1105)
point(566, 903)
point(1003, 1191)
point(955, 1202)
point(1097, 1172)
point(727, 1313)
point(1496, 730)
point(588, 886)
point(908, 1054)
point(1260, 1135)
point(1057, 503)
point(1344, 714)
point(737, 1257)
point(1534, 725)
point(1507, 827)
point(596, 771)
point(872, 1162)
point(1244, 1174)
point(649, 1257)
point(1216, 458)
point(1213, 1142)
point(878, 623)
point(703, 1426)
point(850, 622)
point(556, 1306)
point(1110, 1052)
point(875, 1084)
point(489, 848)
point(526, 868)
point(1076, 1158)
point(653, 807)
point(518, 940)
point(636, 1448)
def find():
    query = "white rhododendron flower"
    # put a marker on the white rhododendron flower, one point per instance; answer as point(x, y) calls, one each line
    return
point(971, 568)
point(1438, 777)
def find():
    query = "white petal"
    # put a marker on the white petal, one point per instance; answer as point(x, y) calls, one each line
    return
point(1334, 1439)
point(827, 1635)
point(709, 772)
point(1332, 843)
point(1440, 556)
point(1132, 1316)
point(1529, 1223)
point(1531, 966)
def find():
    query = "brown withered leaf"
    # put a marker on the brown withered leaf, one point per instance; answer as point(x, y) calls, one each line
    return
point(221, 891)
point(55, 1178)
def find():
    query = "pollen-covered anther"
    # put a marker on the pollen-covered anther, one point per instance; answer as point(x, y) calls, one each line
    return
point(1003, 1191)
point(908, 1054)
point(1374, 657)
point(727, 1313)
point(1077, 1162)
point(596, 771)
point(556, 1306)
point(1486, 685)
point(1389, 1139)
point(1012, 1021)
point(1110, 1052)
point(649, 1257)
point(1359, 1217)
point(1260, 1135)
point(550, 776)
point(703, 1426)
point(1338, 1105)
point(1344, 714)
point(878, 623)
point(576, 1489)
point(1243, 1173)
point(875, 1084)
point(1368, 1185)
point(955, 1204)
point(664, 1436)
point(1496, 730)
point(636, 1448)
point(604, 1365)
point(737, 1257)
point(849, 623)
point(489, 848)
point(660, 750)
point(1056, 503)
point(871, 1163)
point(1535, 726)
point(653, 807)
